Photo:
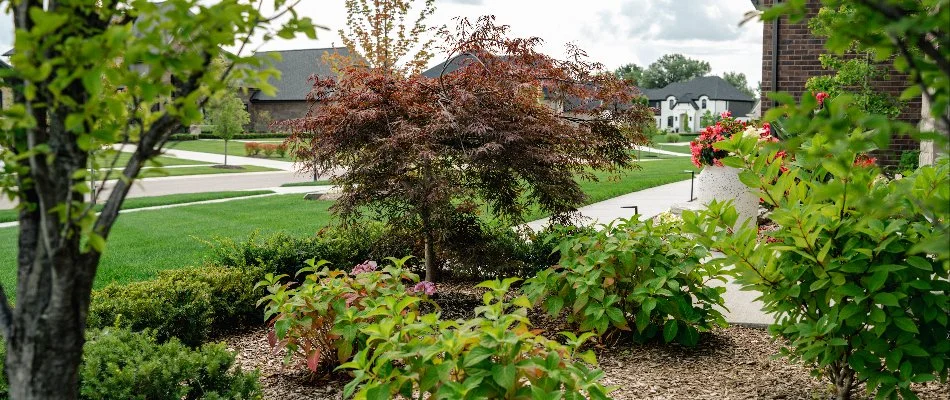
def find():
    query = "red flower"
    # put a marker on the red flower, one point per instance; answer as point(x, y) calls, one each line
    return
point(726, 114)
point(821, 96)
point(865, 161)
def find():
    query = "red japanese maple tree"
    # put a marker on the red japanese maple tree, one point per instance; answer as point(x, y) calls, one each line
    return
point(501, 124)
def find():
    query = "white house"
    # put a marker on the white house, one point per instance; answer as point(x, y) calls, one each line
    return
point(681, 105)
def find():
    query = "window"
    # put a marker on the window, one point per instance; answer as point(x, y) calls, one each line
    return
point(704, 104)
point(669, 121)
point(672, 103)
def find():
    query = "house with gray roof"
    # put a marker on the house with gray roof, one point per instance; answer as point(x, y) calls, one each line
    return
point(681, 105)
point(293, 85)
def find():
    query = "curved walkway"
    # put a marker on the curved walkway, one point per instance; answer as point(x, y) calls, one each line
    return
point(741, 306)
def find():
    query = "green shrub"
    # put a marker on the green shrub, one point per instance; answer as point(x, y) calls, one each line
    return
point(644, 276)
point(281, 253)
point(480, 250)
point(281, 150)
point(909, 161)
point(857, 275)
point(189, 304)
point(493, 356)
point(180, 137)
point(319, 322)
point(672, 138)
point(118, 364)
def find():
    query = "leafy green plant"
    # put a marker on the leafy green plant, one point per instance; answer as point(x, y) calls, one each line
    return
point(119, 364)
point(493, 356)
point(858, 273)
point(320, 322)
point(641, 276)
point(909, 161)
point(188, 304)
point(281, 253)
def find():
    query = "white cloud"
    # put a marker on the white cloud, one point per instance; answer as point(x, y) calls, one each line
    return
point(614, 32)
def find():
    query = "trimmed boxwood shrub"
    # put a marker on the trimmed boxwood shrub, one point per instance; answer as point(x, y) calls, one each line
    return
point(189, 304)
point(120, 364)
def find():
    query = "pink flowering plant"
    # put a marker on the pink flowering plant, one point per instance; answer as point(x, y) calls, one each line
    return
point(318, 323)
point(703, 149)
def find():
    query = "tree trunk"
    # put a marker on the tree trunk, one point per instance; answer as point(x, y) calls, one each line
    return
point(432, 270)
point(225, 152)
point(44, 349)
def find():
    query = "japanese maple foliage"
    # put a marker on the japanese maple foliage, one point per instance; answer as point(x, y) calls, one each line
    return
point(509, 127)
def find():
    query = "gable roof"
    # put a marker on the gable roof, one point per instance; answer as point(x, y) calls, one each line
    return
point(449, 66)
point(296, 67)
point(713, 87)
point(4, 65)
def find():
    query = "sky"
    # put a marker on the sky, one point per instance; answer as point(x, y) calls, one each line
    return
point(613, 32)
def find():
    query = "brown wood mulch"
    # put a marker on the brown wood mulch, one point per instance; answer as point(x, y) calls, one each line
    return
point(732, 363)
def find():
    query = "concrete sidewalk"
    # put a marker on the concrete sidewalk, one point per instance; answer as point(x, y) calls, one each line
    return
point(660, 151)
point(741, 305)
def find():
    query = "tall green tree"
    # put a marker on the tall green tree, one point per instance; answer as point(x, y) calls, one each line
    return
point(631, 73)
point(84, 77)
point(739, 81)
point(226, 112)
point(672, 68)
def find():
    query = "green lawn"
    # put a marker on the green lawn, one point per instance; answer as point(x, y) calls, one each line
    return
point(673, 148)
point(152, 201)
point(216, 147)
point(650, 174)
point(143, 243)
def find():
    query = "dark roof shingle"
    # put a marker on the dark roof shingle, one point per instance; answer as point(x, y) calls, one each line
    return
point(295, 68)
point(714, 87)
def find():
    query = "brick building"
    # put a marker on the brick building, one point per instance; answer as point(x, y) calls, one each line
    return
point(293, 86)
point(790, 56)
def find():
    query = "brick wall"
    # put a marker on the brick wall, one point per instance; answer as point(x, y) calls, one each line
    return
point(798, 60)
point(279, 110)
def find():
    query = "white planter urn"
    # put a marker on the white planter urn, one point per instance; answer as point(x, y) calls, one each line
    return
point(723, 184)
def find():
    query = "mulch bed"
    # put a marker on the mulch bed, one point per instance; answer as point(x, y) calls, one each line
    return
point(732, 363)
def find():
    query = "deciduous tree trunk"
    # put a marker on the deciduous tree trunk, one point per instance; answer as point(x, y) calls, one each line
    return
point(432, 271)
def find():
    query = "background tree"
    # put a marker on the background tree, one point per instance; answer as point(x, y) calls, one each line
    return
point(226, 112)
point(420, 152)
point(739, 81)
point(630, 72)
point(83, 77)
point(381, 33)
point(672, 68)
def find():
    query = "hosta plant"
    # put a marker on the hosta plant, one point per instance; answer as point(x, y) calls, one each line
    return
point(857, 275)
point(495, 355)
point(319, 322)
point(641, 276)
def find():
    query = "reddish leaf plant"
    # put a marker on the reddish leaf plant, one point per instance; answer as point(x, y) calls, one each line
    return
point(499, 124)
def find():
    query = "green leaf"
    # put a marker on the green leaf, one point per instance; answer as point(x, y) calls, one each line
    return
point(504, 375)
point(886, 299)
point(876, 281)
point(920, 263)
point(906, 324)
point(669, 331)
